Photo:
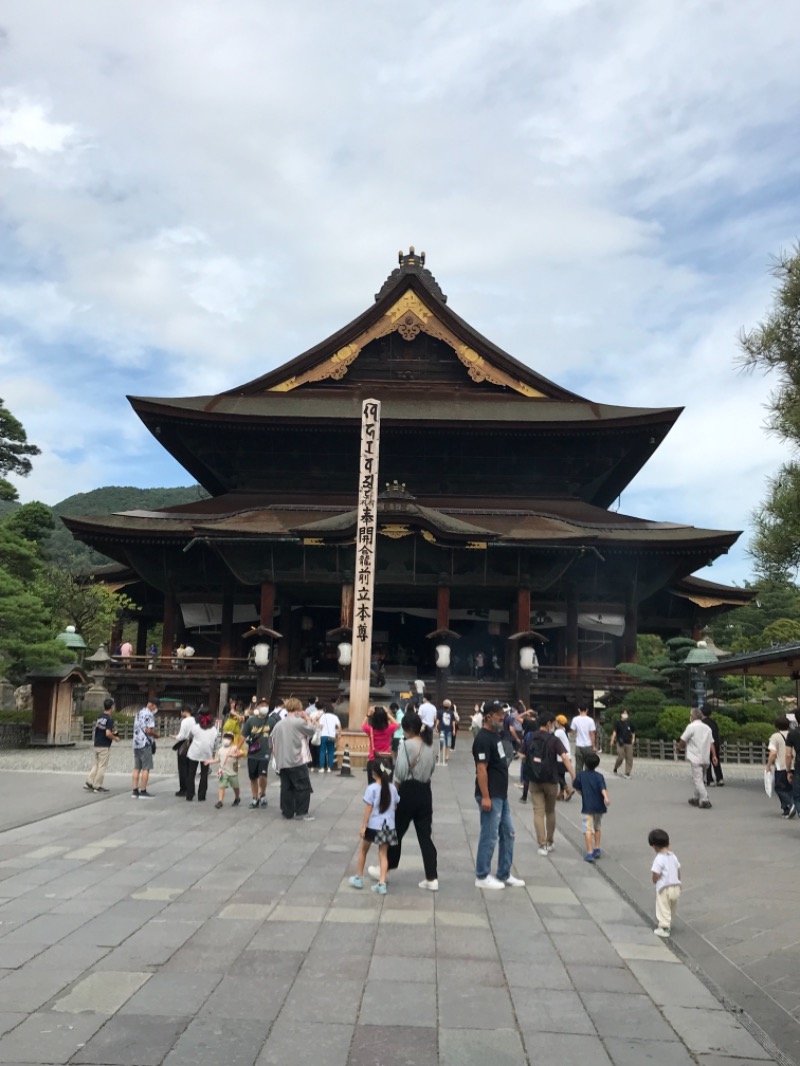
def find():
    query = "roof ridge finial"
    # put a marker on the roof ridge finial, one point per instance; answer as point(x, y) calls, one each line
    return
point(411, 259)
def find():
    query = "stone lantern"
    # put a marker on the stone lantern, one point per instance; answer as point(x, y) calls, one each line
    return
point(96, 693)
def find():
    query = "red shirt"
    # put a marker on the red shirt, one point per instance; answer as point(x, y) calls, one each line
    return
point(380, 739)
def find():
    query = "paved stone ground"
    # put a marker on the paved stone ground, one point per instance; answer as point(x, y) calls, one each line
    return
point(135, 933)
point(740, 862)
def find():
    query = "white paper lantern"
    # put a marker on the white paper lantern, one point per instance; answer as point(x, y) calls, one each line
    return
point(261, 654)
point(527, 658)
point(442, 656)
point(345, 653)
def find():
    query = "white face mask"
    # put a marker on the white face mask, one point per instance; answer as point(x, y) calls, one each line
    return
point(624, 718)
point(226, 743)
point(262, 712)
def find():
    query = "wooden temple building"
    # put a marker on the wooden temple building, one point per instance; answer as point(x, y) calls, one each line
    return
point(497, 516)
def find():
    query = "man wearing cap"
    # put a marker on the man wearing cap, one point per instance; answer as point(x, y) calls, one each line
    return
point(491, 795)
point(290, 739)
point(255, 733)
point(144, 742)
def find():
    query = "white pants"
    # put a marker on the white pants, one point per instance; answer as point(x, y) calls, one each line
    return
point(666, 905)
point(699, 781)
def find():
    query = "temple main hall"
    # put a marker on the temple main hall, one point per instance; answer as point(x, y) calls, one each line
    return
point(497, 515)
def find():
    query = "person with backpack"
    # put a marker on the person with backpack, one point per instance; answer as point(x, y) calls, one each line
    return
point(540, 752)
point(255, 734)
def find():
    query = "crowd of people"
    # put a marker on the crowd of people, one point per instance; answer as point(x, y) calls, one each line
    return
point(296, 740)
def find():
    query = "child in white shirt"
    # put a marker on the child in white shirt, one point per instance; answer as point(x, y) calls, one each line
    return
point(381, 799)
point(666, 874)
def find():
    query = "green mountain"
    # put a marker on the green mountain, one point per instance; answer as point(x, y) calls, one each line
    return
point(64, 550)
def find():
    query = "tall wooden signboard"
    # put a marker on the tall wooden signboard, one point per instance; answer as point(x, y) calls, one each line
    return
point(366, 540)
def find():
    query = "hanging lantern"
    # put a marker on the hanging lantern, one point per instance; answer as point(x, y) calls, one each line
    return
point(261, 653)
point(442, 656)
point(345, 653)
point(527, 658)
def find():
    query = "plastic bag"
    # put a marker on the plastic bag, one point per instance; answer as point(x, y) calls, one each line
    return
point(768, 782)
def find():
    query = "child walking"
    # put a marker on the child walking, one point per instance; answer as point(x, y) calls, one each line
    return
point(666, 874)
point(592, 787)
point(380, 799)
point(228, 759)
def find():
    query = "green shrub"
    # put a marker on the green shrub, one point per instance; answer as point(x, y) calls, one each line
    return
point(728, 728)
point(16, 716)
point(642, 700)
point(672, 721)
point(754, 732)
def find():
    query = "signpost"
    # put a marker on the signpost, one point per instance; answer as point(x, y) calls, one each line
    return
point(366, 538)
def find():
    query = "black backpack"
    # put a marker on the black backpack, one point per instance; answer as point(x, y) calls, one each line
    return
point(540, 759)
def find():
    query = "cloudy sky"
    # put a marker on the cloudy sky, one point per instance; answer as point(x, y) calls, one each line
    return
point(194, 192)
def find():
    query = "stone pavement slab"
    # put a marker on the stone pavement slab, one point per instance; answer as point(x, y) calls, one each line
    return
point(118, 954)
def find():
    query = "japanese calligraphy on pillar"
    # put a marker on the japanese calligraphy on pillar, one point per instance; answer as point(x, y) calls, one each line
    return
point(366, 539)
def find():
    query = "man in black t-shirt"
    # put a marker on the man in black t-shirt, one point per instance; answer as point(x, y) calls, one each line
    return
point(104, 737)
point(623, 736)
point(491, 794)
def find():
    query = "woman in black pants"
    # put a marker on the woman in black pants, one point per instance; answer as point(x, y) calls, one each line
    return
point(416, 761)
point(201, 752)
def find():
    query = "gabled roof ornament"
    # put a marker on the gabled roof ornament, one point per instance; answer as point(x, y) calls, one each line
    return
point(412, 262)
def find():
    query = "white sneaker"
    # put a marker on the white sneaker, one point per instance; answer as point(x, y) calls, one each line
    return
point(432, 886)
point(488, 882)
point(514, 882)
point(550, 847)
point(663, 933)
point(374, 872)
point(543, 851)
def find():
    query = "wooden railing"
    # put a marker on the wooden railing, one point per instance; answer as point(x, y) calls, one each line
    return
point(731, 751)
point(214, 664)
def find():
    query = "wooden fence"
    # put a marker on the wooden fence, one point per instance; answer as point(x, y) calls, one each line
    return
point(735, 751)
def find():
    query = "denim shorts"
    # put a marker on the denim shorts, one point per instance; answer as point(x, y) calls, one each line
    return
point(591, 822)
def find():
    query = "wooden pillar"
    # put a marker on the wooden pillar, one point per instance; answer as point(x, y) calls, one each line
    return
point(226, 632)
point(346, 612)
point(266, 614)
point(571, 647)
point(282, 653)
point(631, 625)
point(141, 637)
point(168, 639)
point(443, 607)
point(523, 608)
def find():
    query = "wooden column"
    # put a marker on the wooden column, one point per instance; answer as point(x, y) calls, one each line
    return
point(266, 614)
point(226, 633)
point(571, 647)
point(629, 636)
point(168, 639)
point(282, 653)
point(346, 612)
point(141, 637)
point(523, 608)
point(443, 607)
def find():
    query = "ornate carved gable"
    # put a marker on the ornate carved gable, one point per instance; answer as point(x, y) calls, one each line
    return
point(408, 317)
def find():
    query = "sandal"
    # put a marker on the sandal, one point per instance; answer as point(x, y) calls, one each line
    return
point(569, 795)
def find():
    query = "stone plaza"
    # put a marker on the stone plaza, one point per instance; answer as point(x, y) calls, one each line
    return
point(135, 933)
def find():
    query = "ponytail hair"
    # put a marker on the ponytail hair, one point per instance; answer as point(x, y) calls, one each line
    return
point(383, 769)
point(426, 735)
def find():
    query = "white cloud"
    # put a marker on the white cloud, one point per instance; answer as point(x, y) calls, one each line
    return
point(195, 193)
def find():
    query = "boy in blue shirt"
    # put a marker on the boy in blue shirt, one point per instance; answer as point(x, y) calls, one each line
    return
point(592, 787)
